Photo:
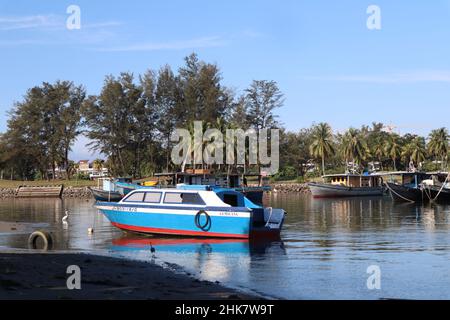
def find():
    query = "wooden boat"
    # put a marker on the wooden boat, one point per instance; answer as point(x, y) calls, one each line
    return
point(408, 188)
point(221, 213)
point(102, 195)
point(347, 185)
point(108, 192)
point(438, 187)
point(439, 193)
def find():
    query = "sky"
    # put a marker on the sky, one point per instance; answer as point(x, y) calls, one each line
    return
point(330, 66)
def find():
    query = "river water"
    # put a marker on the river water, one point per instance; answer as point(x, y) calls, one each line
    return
point(325, 250)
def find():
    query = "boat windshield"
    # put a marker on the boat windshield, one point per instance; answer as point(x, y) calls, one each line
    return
point(183, 198)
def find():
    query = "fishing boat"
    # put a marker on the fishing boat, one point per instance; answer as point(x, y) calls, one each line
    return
point(109, 191)
point(102, 195)
point(347, 185)
point(406, 186)
point(219, 213)
point(438, 187)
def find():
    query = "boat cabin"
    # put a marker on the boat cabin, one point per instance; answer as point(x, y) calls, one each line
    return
point(407, 178)
point(177, 197)
point(206, 177)
point(353, 180)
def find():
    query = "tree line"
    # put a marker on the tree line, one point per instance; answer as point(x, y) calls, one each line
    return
point(355, 149)
point(131, 120)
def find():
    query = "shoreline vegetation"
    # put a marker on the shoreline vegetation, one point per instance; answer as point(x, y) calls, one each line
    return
point(43, 276)
point(131, 120)
point(8, 189)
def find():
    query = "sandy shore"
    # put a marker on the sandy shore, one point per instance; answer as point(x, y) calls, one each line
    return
point(43, 276)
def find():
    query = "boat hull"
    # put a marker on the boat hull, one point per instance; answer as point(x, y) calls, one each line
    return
point(403, 193)
point(102, 195)
point(216, 222)
point(437, 194)
point(322, 190)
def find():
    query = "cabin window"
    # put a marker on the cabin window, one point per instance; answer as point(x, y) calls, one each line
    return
point(135, 197)
point(231, 199)
point(183, 198)
point(152, 197)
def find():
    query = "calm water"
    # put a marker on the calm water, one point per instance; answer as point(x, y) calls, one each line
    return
point(324, 253)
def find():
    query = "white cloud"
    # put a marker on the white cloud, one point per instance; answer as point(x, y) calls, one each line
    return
point(203, 42)
point(51, 30)
point(29, 22)
point(393, 78)
point(47, 21)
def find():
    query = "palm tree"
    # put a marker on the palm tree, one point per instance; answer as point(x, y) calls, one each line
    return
point(379, 151)
point(354, 146)
point(414, 151)
point(322, 143)
point(438, 144)
point(97, 165)
point(72, 168)
point(393, 148)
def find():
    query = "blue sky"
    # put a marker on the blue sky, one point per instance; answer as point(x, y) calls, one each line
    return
point(328, 64)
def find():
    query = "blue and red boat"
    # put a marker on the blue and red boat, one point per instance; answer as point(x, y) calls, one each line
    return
point(221, 213)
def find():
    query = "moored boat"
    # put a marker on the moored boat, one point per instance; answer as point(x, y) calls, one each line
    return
point(408, 188)
point(108, 192)
point(102, 195)
point(221, 213)
point(438, 187)
point(347, 185)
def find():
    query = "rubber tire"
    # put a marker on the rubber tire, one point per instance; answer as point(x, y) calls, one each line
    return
point(205, 227)
point(47, 237)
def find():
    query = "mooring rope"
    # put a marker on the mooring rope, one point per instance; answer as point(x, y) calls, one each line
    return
point(400, 196)
point(442, 188)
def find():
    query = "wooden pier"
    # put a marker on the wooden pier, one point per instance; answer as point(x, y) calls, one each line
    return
point(39, 191)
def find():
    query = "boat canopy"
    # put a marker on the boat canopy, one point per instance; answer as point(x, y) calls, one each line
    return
point(235, 198)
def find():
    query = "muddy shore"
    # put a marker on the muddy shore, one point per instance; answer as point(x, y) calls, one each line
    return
point(44, 276)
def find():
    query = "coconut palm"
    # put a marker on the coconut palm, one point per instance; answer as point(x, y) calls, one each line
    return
point(393, 148)
point(322, 143)
point(379, 150)
point(438, 144)
point(97, 165)
point(354, 146)
point(72, 168)
point(414, 151)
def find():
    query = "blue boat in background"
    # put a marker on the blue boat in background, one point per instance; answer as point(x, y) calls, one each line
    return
point(193, 211)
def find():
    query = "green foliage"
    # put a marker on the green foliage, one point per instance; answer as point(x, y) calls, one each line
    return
point(322, 145)
point(81, 176)
point(132, 119)
point(286, 173)
point(42, 129)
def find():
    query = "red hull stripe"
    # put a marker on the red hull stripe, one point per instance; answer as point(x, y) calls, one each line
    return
point(179, 232)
